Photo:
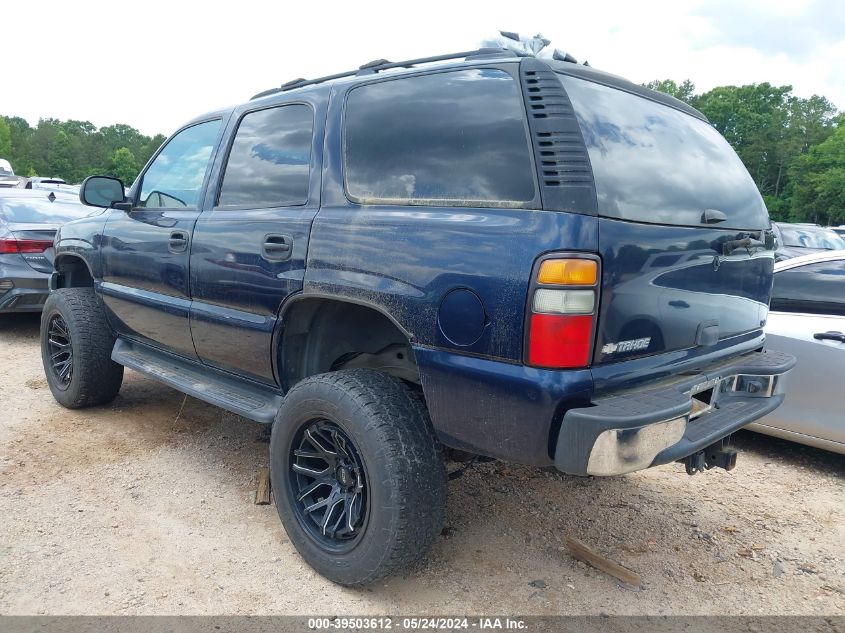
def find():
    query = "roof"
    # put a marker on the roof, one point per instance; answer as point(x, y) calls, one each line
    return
point(480, 57)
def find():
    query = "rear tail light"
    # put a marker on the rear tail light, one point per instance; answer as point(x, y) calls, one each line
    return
point(563, 312)
point(12, 245)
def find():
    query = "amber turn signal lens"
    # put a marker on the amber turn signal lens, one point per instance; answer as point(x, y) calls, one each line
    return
point(568, 272)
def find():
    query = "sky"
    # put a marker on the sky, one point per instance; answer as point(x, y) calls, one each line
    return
point(156, 64)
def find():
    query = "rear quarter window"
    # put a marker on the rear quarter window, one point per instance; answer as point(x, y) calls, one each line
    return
point(655, 164)
point(450, 139)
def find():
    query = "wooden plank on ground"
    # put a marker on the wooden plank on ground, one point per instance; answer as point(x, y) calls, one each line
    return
point(593, 558)
point(262, 494)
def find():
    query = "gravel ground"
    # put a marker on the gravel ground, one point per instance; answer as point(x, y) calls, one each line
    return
point(144, 507)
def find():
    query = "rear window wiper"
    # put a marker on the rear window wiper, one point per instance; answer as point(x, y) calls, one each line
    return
point(764, 240)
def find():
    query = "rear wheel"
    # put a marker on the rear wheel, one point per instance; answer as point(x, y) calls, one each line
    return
point(358, 475)
point(76, 345)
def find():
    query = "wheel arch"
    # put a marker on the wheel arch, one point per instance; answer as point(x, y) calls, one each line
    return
point(321, 333)
point(73, 272)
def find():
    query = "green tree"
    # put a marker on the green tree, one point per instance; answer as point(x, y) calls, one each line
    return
point(5, 139)
point(683, 91)
point(818, 191)
point(74, 149)
point(20, 134)
point(123, 166)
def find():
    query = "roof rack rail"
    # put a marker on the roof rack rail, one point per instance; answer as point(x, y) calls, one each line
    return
point(383, 64)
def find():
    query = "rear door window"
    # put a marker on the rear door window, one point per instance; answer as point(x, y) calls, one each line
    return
point(449, 139)
point(269, 161)
point(655, 164)
point(812, 289)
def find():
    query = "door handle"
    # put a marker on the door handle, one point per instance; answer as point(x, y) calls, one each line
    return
point(277, 247)
point(178, 241)
point(829, 336)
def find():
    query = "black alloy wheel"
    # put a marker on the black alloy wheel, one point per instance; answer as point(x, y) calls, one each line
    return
point(357, 474)
point(60, 349)
point(330, 485)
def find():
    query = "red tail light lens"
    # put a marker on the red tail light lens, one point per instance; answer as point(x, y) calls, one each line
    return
point(562, 309)
point(23, 246)
point(560, 341)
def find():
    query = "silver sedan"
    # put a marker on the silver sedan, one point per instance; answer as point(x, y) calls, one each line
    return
point(807, 319)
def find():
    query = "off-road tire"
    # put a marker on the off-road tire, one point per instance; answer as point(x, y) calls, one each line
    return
point(95, 377)
point(402, 460)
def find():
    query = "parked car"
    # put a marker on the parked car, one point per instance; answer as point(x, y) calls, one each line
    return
point(48, 184)
point(28, 223)
point(807, 319)
point(7, 174)
point(839, 230)
point(800, 239)
point(382, 263)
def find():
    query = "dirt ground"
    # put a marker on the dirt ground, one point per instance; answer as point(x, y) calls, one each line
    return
point(144, 507)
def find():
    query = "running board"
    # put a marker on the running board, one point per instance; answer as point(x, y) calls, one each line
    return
point(226, 391)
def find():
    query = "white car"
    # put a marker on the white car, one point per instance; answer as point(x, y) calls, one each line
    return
point(7, 174)
point(807, 319)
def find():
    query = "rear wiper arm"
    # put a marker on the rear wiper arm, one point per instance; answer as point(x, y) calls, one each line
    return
point(764, 240)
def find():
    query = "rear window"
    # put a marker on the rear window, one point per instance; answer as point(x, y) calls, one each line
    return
point(449, 139)
point(655, 164)
point(807, 237)
point(17, 210)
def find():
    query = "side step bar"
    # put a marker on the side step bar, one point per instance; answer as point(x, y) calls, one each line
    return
point(226, 391)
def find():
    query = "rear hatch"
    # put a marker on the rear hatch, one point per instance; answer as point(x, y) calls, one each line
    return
point(682, 229)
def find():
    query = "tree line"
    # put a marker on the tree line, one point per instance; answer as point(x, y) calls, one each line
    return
point(73, 150)
point(794, 148)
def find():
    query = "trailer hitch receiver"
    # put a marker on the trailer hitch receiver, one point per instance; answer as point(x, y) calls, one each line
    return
point(718, 455)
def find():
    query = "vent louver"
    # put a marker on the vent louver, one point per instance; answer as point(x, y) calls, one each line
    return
point(566, 176)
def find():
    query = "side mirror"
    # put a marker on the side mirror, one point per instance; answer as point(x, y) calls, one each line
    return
point(101, 191)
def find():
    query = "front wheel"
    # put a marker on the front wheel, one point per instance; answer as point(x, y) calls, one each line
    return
point(358, 475)
point(76, 346)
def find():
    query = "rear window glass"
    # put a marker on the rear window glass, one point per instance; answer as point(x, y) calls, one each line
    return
point(655, 164)
point(809, 237)
point(24, 211)
point(450, 139)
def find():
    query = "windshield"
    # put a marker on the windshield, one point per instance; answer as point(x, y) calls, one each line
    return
point(655, 164)
point(810, 237)
point(23, 211)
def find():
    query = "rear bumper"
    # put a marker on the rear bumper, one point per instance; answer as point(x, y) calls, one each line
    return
point(633, 430)
point(28, 292)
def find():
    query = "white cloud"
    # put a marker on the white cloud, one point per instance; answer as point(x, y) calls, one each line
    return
point(156, 64)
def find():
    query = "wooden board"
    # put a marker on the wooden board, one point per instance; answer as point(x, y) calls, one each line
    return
point(584, 553)
point(262, 494)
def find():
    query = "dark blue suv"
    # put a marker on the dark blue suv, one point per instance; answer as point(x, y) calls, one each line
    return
point(511, 257)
